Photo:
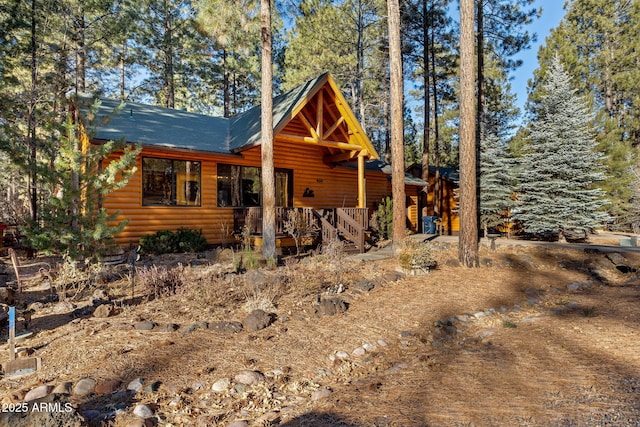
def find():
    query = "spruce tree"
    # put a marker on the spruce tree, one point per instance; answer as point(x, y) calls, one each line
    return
point(496, 179)
point(560, 166)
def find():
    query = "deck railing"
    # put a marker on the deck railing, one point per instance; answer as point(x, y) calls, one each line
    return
point(351, 223)
point(252, 217)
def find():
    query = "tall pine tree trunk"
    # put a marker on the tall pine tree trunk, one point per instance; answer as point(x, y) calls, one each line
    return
point(427, 106)
point(170, 90)
point(468, 243)
point(397, 124)
point(437, 190)
point(268, 179)
point(31, 119)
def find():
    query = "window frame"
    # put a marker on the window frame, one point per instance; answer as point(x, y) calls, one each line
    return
point(175, 182)
point(238, 200)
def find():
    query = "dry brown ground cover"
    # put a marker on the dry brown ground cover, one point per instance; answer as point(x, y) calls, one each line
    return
point(534, 337)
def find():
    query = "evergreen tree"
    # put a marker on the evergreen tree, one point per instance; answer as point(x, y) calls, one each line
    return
point(598, 41)
point(73, 221)
point(497, 184)
point(560, 165)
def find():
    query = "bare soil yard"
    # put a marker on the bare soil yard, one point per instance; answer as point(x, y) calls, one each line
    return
point(534, 337)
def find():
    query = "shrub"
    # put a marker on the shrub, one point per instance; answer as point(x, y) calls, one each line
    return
point(166, 241)
point(382, 219)
point(416, 256)
point(160, 281)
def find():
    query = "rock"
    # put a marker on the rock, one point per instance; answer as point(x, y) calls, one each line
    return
point(195, 326)
point(63, 307)
point(153, 387)
point(167, 327)
point(382, 343)
point(342, 355)
point(135, 385)
point(256, 320)
point(369, 346)
point(38, 392)
point(321, 394)
point(393, 276)
point(144, 325)
point(257, 278)
point(143, 411)
point(238, 424)
point(249, 377)
point(50, 411)
point(332, 306)
point(616, 258)
point(92, 415)
point(107, 386)
point(62, 388)
point(84, 387)
point(365, 285)
point(226, 327)
point(359, 352)
point(221, 385)
point(104, 310)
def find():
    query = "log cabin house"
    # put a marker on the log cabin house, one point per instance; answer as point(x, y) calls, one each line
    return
point(442, 199)
point(203, 172)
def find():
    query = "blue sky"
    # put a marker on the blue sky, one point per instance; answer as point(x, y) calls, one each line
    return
point(552, 13)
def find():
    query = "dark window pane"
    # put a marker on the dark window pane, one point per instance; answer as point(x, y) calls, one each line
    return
point(170, 182)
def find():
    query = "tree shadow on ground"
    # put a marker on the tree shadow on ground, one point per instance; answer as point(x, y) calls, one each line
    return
point(527, 390)
point(313, 419)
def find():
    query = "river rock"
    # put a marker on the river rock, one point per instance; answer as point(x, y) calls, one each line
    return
point(84, 387)
point(249, 377)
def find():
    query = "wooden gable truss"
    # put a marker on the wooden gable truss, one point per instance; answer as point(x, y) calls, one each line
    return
point(324, 119)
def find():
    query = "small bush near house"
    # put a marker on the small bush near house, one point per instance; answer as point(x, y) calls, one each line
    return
point(160, 281)
point(166, 241)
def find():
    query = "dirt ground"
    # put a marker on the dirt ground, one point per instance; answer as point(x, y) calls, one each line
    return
point(534, 337)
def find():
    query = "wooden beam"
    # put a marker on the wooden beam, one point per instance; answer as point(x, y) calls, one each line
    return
point(319, 112)
point(333, 128)
point(341, 157)
point(306, 122)
point(320, 142)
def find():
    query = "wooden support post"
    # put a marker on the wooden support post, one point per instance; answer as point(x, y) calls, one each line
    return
point(362, 193)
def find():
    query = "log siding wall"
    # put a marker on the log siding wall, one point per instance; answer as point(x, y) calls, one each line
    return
point(332, 187)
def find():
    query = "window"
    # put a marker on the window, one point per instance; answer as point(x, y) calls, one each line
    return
point(242, 186)
point(167, 182)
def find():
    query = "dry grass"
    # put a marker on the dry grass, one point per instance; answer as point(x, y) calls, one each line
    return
point(551, 356)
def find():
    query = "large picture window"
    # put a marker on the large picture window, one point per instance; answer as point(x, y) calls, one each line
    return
point(167, 182)
point(242, 186)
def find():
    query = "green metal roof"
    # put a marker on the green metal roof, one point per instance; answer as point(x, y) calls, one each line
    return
point(153, 125)
point(147, 124)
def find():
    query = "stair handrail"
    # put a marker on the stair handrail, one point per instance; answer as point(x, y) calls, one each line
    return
point(351, 228)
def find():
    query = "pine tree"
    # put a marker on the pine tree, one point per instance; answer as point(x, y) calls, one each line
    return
point(497, 184)
point(560, 165)
point(72, 221)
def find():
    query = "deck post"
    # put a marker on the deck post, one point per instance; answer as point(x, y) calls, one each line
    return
point(362, 198)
